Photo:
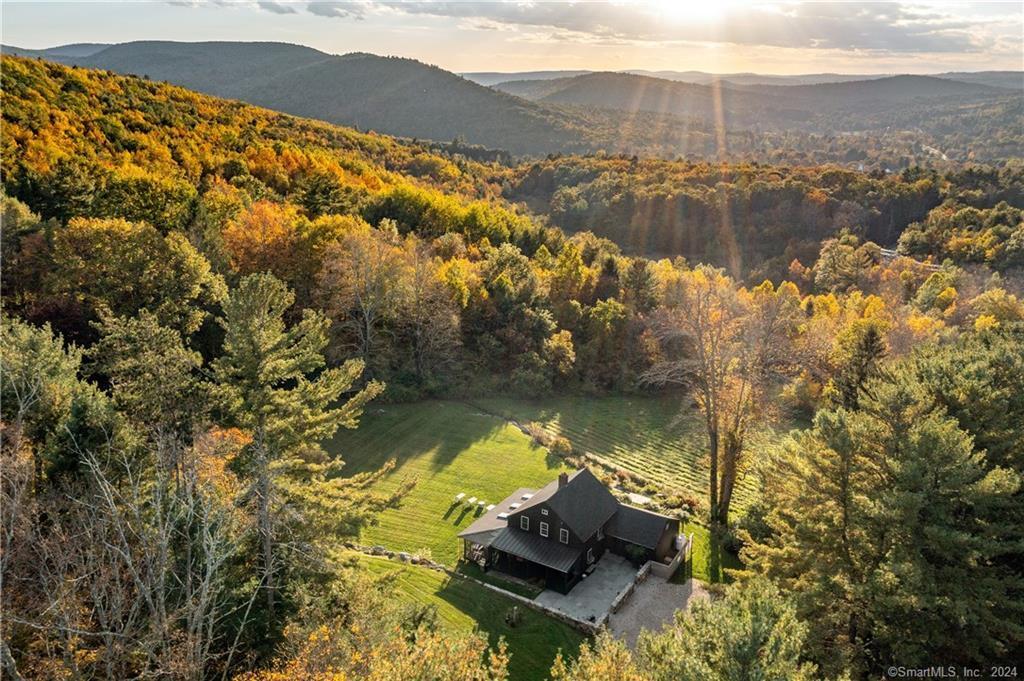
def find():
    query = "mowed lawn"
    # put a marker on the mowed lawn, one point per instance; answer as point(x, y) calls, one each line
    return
point(463, 605)
point(708, 560)
point(448, 448)
point(643, 435)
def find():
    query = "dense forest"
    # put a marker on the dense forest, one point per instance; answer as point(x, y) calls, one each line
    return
point(756, 219)
point(198, 293)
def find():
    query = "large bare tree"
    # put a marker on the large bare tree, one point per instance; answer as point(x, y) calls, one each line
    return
point(723, 342)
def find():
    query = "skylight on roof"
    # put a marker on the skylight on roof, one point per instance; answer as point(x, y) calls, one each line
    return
point(526, 496)
point(503, 516)
point(515, 505)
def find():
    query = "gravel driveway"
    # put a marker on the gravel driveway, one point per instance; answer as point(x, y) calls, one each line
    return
point(652, 605)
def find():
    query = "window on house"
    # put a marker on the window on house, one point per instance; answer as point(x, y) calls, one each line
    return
point(590, 555)
point(524, 523)
point(543, 529)
point(543, 511)
point(563, 536)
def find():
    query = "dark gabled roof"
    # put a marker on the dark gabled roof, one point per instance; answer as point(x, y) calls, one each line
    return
point(536, 549)
point(490, 521)
point(638, 526)
point(583, 503)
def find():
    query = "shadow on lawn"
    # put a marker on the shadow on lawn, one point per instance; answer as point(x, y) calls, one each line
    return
point(715, 560)
point(462, 515)
point(533, 643)
point(474, 510)
point(406, 431)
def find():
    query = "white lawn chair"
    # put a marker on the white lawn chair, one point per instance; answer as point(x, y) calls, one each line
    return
point(472, 501)
point(459, 497)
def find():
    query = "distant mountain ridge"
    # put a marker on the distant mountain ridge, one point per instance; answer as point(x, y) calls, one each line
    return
point(388, 94)
point(1013, 80)
point(778, 104)
point(581, 112)
point(628, 92)
point(490, 78)
point(71, 50)
point(1005, 79)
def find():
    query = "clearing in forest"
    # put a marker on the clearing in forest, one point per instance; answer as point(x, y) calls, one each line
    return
point(449, 448)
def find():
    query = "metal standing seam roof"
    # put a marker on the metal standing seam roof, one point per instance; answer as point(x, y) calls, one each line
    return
point(536, 549)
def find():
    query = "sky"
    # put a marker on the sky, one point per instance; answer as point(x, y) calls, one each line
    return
point(719, 36)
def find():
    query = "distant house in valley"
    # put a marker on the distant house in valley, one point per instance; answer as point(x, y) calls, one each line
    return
point(560, 531)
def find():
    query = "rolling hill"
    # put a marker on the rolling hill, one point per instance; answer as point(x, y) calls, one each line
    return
point(628, 92)
point(779, 104)
point(390, 95)
point(890, 90)
point(70, 51)
point(572, 112)
point(1012, 80)
point(911, 116)
point(494, 77)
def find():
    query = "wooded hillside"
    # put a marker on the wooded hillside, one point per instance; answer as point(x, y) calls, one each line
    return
point(198, 294)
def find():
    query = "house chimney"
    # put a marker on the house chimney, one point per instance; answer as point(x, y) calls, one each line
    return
point(563, 479)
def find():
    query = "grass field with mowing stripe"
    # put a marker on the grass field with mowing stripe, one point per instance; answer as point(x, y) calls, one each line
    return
point(464, 606)
point(448, 447)
point(643, 435)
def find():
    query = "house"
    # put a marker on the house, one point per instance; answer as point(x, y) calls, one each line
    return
point(560, 531)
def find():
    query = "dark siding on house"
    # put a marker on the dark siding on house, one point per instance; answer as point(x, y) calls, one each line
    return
point(536, 516)
point(579, 502)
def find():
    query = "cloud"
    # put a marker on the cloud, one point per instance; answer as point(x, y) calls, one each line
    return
point(886, 27)
point(864, 27)
point(268, 5)
point(341, 9)
point(276, 7)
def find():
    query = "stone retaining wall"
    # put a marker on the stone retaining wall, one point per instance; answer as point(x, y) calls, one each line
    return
point(664, 571)
point(591, 628)
point(639, 578)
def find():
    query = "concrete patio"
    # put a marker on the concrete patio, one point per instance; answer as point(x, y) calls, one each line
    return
point(592, 597)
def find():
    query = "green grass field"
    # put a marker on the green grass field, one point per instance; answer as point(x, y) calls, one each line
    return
point(464, 606)
point(708, 561)
point(643, 435)
point(448, 447)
